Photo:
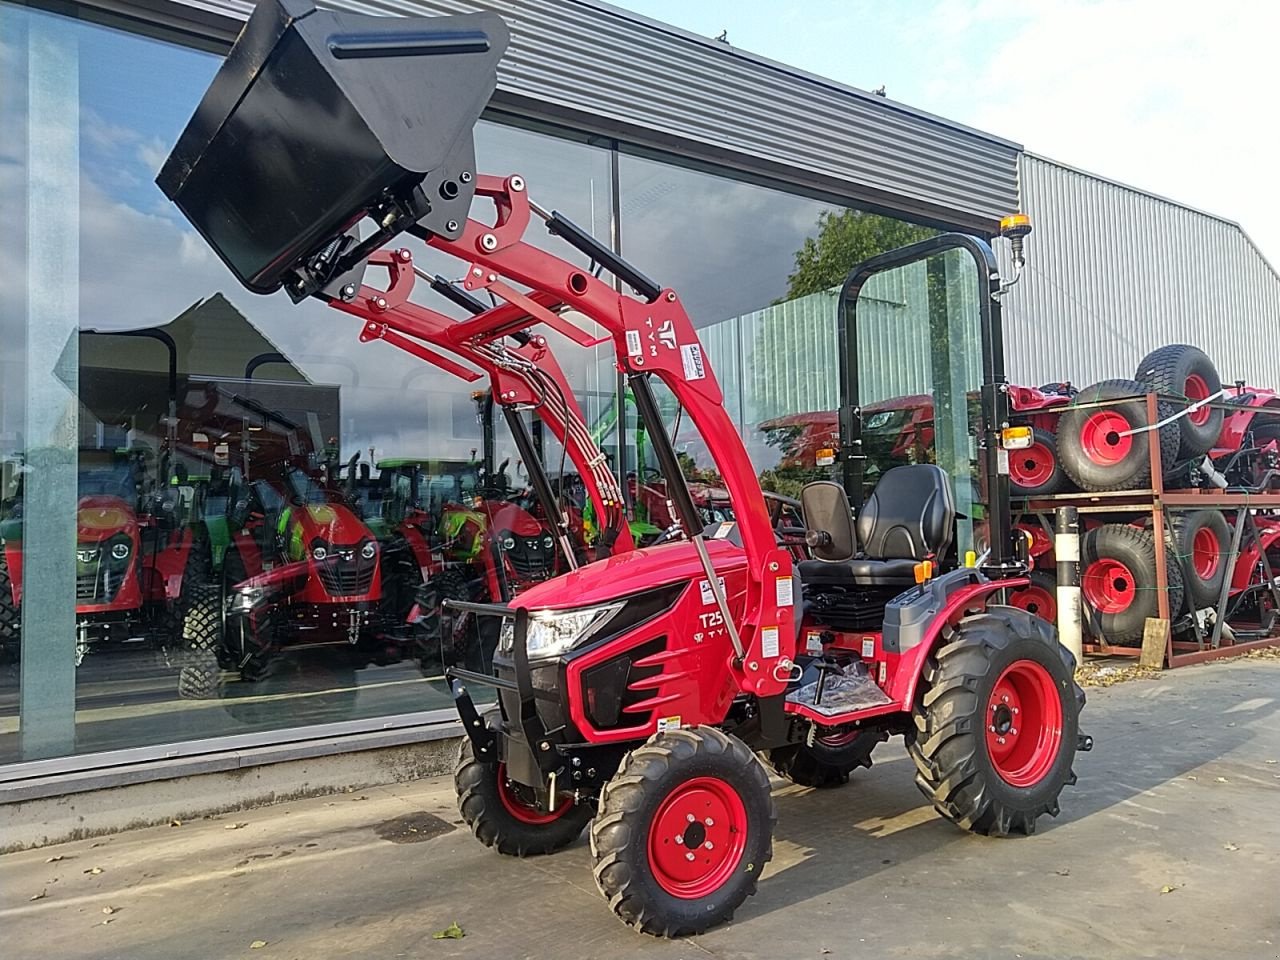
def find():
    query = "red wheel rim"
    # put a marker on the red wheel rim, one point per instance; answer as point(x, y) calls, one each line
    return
point(1196, 389)
point(840, 738)
point(1108, 586)
point(1205, 556)
point(697, 838)
point(1036, 600)
point(1101, 438)
point(1031, 467)
point(523, 809)
point(1024, 724)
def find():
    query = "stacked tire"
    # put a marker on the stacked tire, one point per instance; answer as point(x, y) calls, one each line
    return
point(1118, 582)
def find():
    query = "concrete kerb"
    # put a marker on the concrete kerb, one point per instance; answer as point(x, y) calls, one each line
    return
point(49, 810)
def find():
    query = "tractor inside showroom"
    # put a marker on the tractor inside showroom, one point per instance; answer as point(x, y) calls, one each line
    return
point(634, 692)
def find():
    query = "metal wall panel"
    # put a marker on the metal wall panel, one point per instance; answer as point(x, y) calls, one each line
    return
point(1114, 273)
point(607, 69)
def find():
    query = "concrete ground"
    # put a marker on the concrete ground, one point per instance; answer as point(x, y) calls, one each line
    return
point(1169, 846)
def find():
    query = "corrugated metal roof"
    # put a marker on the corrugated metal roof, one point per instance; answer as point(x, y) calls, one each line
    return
point(1114, 272)
point(607, 69)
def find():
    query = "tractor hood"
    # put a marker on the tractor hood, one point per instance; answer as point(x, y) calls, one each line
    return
point(330, 522)
point(99, 517)
point(630, 573)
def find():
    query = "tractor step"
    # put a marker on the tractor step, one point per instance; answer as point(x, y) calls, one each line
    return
point(840, 691)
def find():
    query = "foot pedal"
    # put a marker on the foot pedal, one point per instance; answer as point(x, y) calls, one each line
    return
point(840, 691)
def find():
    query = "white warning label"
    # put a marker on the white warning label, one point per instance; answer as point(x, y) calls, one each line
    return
point(785, 592)
point(634, 348)
point(691, 357)
point(813, 642)
point(708, 595)
point(668, 723)
point(768, 641)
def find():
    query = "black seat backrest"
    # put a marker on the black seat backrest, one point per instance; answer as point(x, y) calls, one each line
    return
point(910, 514)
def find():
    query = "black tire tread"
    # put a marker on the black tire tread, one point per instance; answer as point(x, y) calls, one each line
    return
point(806, 768)
point(943, 718)
point(475, 782)
point(612, 833)
point(1169, 436)
point(200, 673)
point(1198, 593)
point(1057, 481)
point(1142, 540)
point(1159, 371)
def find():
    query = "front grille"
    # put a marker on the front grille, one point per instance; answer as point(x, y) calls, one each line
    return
point(531, 558)
point(98, 580)
point(347, 578)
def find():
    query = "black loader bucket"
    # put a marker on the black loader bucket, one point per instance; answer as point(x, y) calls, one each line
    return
point(317, 119)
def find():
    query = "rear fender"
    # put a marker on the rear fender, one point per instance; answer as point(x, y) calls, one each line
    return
point(906, 668)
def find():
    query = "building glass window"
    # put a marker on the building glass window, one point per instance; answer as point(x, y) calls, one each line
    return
point(220, 511)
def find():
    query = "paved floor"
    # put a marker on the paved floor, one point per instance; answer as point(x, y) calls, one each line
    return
point(1169, 846)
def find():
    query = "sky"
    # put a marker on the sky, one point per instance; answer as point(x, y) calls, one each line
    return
point(1173, 97)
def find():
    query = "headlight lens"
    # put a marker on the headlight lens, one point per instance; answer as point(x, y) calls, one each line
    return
point(553, 632)
point(318, 553)
point(368, 550)
point(120, 550)
point(509, 543)
point(547, 541)
point(248, 598)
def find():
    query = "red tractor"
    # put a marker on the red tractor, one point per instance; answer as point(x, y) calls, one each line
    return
point(635, 692)
point(138, 554)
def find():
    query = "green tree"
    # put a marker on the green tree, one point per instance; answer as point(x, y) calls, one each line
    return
point(845, 238)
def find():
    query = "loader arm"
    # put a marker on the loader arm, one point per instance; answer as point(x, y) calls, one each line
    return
point(524, 377)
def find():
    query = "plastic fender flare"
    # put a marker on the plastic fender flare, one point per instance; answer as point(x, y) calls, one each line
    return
point(906, 677)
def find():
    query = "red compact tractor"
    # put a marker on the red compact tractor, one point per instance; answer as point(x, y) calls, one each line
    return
point(635, 692)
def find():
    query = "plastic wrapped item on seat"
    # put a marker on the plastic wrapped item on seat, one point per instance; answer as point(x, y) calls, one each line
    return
point(844, 688)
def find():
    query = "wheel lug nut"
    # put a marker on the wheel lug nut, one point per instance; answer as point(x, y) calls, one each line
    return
point(709, 822)
point(690, 817)
point(1004, 698)
point(1013, 731)
point(999, 739)
point(709, 845)
point(992, 728)
point(688, 856)
point(679, 838)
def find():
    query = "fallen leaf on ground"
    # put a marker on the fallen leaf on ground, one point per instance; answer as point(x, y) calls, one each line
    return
point(1192, 777)
point(94, 870)
point(1221, 779)
point(257, 945)
point(41, 895)
point(108, 910)
point(451, 932)
point(1229, 846)
point(354, 799)
point(108, 920)
point(1063, 873)
point(175, 823)
point(1168, 888)
point(1269, 761)
point(235, 826)
point(61, 856)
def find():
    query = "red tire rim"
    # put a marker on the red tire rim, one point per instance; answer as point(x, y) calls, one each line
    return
point(1037, 601)
point(1102, 440)
point(1031, 467)
point(523, 809)
point(839, 738)
point(1024, 724)
point(1205, 554)
point(1108, 586)
point(697, 838)
point(1197, 389)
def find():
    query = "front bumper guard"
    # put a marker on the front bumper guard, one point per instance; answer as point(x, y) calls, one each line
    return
point(525, 731)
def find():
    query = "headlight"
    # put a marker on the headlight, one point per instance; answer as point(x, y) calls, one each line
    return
point(248, 598)
point(547, 541)
point(119, 550)
point(318, 553)
point(509, 543)
point(368, 550)
point(553, 632)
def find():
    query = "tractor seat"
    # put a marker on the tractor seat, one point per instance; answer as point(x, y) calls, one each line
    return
point(909, 517)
